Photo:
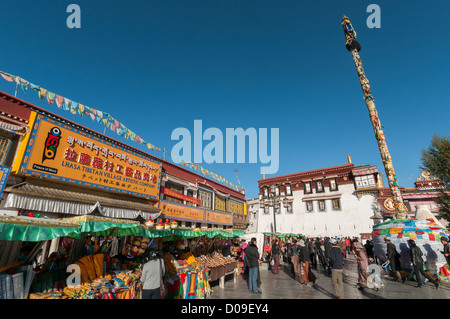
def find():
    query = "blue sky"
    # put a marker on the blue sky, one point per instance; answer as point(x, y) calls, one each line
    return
point(159, 65)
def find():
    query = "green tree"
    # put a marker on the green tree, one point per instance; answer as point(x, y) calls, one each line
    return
point(436, 160)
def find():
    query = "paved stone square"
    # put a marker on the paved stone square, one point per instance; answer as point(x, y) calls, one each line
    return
point(283, 286)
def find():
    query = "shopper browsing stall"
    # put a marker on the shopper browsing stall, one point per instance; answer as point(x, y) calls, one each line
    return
point(152, 272)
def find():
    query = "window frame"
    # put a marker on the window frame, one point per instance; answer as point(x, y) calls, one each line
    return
point(290, 208)
point(304, 188)
point(324, 205)
point(320, 182)
point(309, 202)
point(338, 200)
point(286, 187)
point(335, 183)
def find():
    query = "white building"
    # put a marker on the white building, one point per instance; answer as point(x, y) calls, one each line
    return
point(333, 201)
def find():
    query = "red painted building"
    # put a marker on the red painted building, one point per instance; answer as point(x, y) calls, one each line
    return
point(209, 203)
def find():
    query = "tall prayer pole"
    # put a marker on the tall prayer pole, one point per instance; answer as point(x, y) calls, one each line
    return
point(354, 47)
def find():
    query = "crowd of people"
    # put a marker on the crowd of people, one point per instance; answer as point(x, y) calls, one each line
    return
point(304, 255)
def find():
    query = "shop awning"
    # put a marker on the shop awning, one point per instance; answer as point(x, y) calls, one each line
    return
point(219, 233)
point(154, 233)
point(36, 229)
point(56, 198)
point(105, 226)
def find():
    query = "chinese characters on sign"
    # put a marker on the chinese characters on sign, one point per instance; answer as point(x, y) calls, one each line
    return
point(90, 161)
point(196, 214)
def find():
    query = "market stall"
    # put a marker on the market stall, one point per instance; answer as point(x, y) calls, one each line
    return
point(106, 272)
point(21, 240)
point(194, 259)
point(90, 243)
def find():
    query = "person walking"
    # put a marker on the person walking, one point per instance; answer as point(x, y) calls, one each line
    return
point(312, 253)
point(394, 259)
point(327, 251)
point(306, 273)
point(152, 272)
point(417, 262)
point(276, 251)
point(337, 268)
point(318, 250)
point(343, 246)
point(369, 249)
point(363, 263)
point(252, 261)
point(242, 257)
point(295, 252)
point(446, 251)
point(348, 245)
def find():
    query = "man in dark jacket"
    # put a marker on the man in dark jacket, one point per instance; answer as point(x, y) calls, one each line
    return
point(327, 252)
point(446, 251)
point(394, 258)
point(417, 262)
point(307, 274)
point(312, 253)
point(337, 268)
point(252, 261)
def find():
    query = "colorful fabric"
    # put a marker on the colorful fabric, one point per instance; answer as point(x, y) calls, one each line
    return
point(200, 285)
point(192, 285)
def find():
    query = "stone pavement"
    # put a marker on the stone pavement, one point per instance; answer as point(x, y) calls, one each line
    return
point(283, 286)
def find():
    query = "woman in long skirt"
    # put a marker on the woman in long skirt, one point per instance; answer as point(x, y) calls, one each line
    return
point(363, 263)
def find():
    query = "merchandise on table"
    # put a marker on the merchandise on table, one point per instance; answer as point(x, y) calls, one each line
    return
point(185, 277)
point(119, 285)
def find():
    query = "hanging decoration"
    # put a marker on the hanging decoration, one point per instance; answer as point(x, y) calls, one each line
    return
point(108, 121)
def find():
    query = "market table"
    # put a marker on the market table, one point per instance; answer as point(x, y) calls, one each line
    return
point(220, 272)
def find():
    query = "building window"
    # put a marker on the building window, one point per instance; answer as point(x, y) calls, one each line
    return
point(219, 204)
point(266, 209)
point(235, 207)
point(265, 192)
point(289, 209)
point(309, 206)
point(333, 184)
point(288, 189)
point(272, 189)
point(190, 193)
point(308, 188)
point(336, 204)
point(319, 187)
point(321, 205)
point(277, 191)
point(365, 181)
point(205, 198)
point(4, 147)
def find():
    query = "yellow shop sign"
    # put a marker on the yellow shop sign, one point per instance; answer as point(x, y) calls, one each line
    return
point(63, 153)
